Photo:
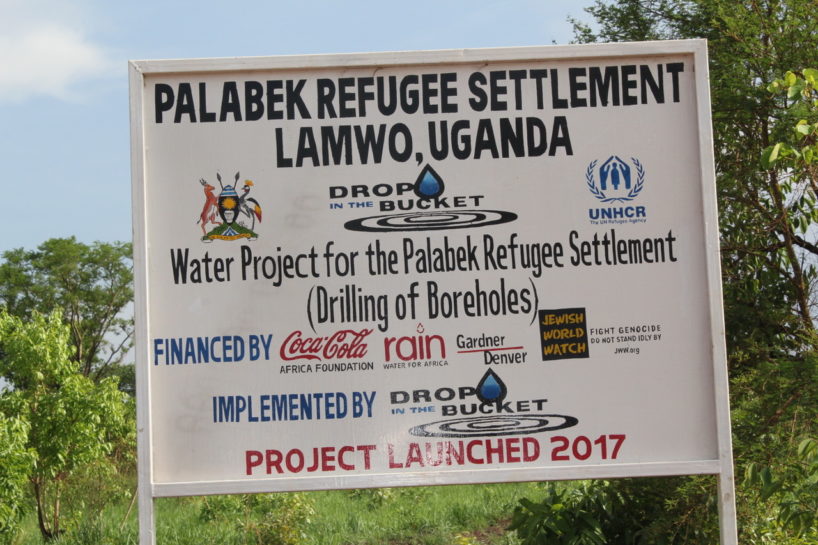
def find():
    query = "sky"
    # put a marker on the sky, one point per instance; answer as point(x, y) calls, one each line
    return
point(64, 120)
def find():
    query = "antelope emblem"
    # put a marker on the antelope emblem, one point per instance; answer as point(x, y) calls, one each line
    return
point(211, 206)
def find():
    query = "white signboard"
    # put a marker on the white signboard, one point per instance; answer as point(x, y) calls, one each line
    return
point(427, 268)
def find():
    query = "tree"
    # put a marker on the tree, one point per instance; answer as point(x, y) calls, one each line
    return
point(92, 284)
point(72, 422)
point(766, 184)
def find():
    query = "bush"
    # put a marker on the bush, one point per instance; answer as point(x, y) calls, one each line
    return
point(271, 519)
point(626, 511)
point(788, 492)
point(14, 469)
point(373, 497)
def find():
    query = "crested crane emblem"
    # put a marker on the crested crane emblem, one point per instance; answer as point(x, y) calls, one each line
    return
point(229, 212)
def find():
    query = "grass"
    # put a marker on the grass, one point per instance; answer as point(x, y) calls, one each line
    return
point(447, 515)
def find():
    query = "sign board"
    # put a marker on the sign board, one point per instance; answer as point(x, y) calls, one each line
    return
point(427, 268)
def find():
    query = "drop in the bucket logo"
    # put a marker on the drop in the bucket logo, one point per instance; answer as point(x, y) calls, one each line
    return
point(490, 415)
point(419, 206)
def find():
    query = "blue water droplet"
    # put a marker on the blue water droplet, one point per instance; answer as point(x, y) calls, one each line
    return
point(429, 184)
point(491, 387)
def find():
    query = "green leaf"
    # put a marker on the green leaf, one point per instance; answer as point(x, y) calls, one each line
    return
point(770, 155)
point(766, 477)
point(796, 89)
point(751, 474)
point(807, 448)
point(803, 127)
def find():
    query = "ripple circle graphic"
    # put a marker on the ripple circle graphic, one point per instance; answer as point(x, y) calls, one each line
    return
point(430, 221)
point(495, 425)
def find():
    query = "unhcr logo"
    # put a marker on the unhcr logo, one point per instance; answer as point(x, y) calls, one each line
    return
point(616, 181)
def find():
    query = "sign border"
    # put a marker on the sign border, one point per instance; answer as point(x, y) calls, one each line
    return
point(723, 466)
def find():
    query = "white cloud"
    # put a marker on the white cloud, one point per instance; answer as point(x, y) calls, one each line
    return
point(43, 56)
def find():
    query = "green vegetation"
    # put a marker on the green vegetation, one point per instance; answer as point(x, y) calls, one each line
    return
point(66, 431)
point(90, 284)
point(72, 423)
point(65, 427)
point(461, 515)
point(14, 471)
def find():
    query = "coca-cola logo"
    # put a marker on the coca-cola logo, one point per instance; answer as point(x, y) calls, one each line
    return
point(344, 344)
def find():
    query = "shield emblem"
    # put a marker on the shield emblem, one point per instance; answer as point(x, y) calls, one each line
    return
point(229, 205)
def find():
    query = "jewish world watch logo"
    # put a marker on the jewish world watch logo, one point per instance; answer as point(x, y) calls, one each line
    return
point(616, 183)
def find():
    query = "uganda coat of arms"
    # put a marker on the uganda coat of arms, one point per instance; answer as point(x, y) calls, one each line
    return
point(233, 209)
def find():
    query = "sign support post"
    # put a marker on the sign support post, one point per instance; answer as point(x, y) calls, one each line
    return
point(726, 483)
point(144, 491)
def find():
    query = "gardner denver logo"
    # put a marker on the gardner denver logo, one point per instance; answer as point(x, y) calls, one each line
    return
point(616, 181)
point(420, 206)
